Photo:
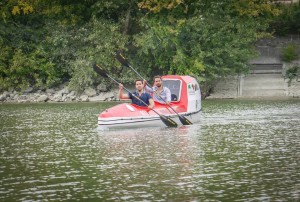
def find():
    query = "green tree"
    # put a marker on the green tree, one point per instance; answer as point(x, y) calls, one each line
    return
point(44, 43)
point(207, 39)
point(24, 61)
point(95, 42)
point(288, 20)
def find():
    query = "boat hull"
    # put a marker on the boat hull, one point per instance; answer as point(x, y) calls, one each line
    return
point(144, 121)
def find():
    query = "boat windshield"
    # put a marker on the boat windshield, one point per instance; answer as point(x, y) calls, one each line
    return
point(175, 88)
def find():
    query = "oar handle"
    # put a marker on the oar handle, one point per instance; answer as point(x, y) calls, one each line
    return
point(153, 90)
point(124, 61)
point(113, 79)
point(132, 94)
point(162, 98)
point(136, 72)
point(166, 120)
point(182, 119)
point(140, 100)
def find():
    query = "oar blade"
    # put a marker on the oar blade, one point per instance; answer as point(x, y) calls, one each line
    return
point(168, 121)
point(100, 70)
point(122, 59)
point(184, 120)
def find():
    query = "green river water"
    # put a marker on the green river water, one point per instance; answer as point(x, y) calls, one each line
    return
point(242, 150)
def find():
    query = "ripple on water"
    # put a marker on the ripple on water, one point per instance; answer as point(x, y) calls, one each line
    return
point(241, 151)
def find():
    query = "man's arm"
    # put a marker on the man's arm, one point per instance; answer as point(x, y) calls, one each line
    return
point(168, 95)
point(151, 104)
point(121, 94)
point(147, 88)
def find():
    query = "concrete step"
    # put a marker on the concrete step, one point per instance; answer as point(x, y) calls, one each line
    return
point(272, 71)
point(266, 68)
point(263, 76)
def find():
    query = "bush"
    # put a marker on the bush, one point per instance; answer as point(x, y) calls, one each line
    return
point(289, 53)
point(292, 73)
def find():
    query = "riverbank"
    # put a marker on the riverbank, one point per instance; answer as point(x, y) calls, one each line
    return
point(60, 94)
point(228, 90)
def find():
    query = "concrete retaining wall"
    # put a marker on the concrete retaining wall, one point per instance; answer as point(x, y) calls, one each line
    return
point(256, 85)
point(226, 88)
point(266, 78)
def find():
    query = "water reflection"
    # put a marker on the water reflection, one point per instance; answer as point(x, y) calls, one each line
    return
point(144, 160)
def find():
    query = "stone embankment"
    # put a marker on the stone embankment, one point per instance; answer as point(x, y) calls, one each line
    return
point(62, 94)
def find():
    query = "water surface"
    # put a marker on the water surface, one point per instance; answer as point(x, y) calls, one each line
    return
point(242, 150)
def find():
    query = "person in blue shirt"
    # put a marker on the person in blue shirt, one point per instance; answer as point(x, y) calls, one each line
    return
point(159, 91)
point(145, 97)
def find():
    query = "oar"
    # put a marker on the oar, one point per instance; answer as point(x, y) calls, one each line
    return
point(166, 120)
point(125, 62)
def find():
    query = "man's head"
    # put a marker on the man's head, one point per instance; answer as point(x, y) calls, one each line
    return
point(139, 85)
point(157, 81)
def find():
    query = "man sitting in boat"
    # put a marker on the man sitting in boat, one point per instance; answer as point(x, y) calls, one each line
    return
point(139, 97)
point(161, 94)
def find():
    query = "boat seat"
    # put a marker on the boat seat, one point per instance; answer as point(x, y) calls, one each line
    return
point(173, 97)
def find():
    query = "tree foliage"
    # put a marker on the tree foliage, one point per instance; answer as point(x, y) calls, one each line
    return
point(288, 20)
point(156, 6)
point(44, 43)
point(207, 39)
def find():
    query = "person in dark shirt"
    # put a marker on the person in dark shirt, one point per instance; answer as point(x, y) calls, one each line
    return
point(145, 97)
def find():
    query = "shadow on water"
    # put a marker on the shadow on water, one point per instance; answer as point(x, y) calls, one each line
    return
point(242, 150)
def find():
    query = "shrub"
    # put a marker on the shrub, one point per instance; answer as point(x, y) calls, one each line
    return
point(289, 53)
point(292, 73)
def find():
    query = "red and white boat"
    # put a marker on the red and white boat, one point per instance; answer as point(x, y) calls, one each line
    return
point(186, 101)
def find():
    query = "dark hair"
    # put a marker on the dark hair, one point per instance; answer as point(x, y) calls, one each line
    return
point(157, 77)
point(139, 80)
